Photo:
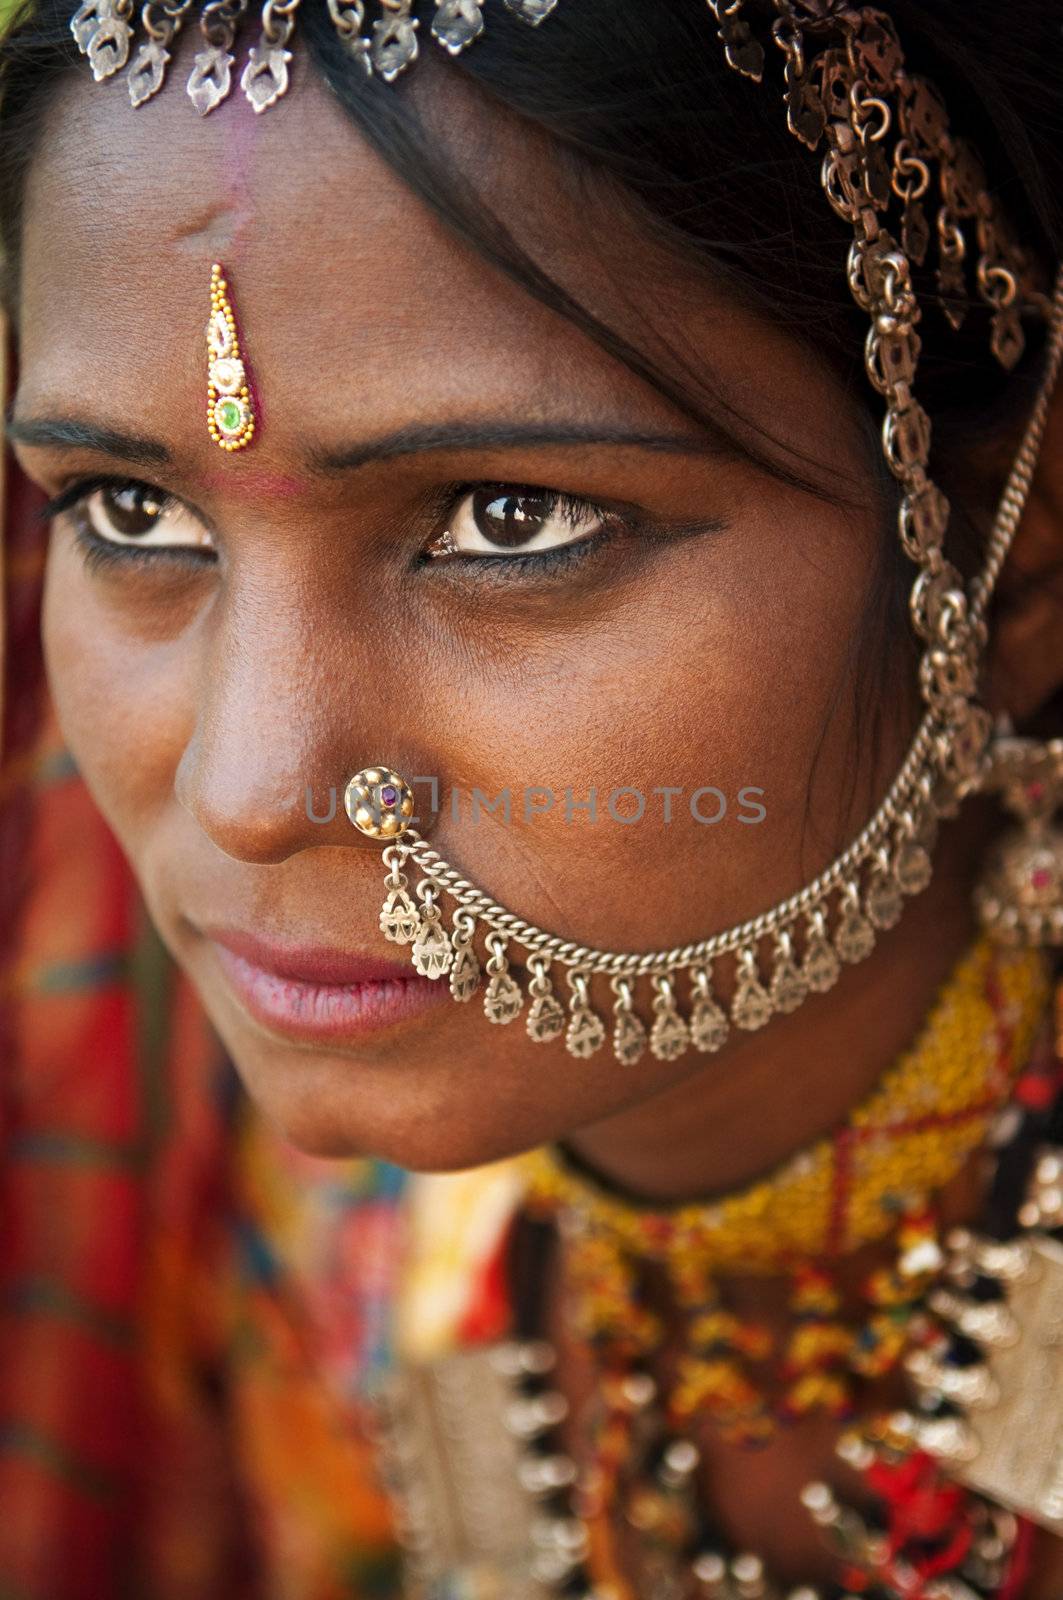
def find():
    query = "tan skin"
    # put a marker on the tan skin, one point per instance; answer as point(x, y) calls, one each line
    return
point(705, 646)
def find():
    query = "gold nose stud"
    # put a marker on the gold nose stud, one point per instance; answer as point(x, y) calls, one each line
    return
point(379, 802)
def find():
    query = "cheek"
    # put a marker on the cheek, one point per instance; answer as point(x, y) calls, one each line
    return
point(120, 702)
point(716, 670)
point(720, 672)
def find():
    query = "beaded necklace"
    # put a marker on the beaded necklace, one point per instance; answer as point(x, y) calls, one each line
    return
point(929, 1110)
point(878, 1172)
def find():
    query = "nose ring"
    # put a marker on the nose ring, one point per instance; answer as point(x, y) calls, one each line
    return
point(379, 802)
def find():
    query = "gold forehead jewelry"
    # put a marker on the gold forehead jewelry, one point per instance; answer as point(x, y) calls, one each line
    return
point(230, 410)
point(891, 161)
point(104, 31)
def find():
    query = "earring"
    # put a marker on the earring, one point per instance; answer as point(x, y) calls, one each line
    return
point(1020, 898)
point(230, 413)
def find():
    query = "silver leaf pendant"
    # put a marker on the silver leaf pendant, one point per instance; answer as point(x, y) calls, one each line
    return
point(145, 76)
point(821, 965)
point(585, 1033)
point(789, 985)
point(502, 998)
point(533, 11)
point(629, 1038)
point(708, 1026)
point(464, 974)
point(433, 953)
point(546, 1019)
point(265, 78)
point(399, 919)
point(108, 49)
point(358, 49)
point(210, 79)
point(751, 1006)
point(457, 23)
point(669, 1036)
point(87, 20)
point(394, 45)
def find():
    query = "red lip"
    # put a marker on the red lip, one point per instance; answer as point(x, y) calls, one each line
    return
point(319, 992)
point(314, 964)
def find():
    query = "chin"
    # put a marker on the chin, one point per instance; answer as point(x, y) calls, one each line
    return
point(339, 1111)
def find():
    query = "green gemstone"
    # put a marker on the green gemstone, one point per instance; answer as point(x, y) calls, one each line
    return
point(229, 415)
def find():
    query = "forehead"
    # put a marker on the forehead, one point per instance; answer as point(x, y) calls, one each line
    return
point(345, 283)
point(360, 311)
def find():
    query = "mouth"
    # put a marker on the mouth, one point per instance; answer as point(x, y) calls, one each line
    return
point(319, 994)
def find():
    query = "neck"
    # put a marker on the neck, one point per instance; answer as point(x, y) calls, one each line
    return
point(769, 1093)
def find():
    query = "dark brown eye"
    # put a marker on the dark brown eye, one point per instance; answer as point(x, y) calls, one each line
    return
point(510, 520)
point(132, 510)
point(494, 521)
point(137, 513)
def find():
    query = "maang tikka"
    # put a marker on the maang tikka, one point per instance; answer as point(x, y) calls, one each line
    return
point(890, 161)
point(230, 408)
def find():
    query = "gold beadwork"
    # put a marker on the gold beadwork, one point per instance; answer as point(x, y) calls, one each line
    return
point(230, 408)
point(380, 803)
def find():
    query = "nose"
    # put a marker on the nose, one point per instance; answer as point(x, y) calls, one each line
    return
point(284, 715)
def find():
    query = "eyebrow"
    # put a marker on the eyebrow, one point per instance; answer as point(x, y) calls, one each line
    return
point(418, 439)
point(69, 433)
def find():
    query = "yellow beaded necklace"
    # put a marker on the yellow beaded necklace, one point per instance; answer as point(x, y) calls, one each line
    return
point(906, 1140)
point(877, 1173)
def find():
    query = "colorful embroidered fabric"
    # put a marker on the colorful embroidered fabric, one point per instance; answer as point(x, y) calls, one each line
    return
point(183, 1302)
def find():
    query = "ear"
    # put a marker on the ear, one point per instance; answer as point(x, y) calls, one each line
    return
point(1026, 634)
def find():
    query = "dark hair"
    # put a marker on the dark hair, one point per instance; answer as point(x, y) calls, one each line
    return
point(636, 97)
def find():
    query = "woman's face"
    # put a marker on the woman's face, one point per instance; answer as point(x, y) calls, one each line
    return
point(632, 601)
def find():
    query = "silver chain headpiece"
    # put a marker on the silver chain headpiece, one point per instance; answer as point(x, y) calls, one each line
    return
point(385, 45)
